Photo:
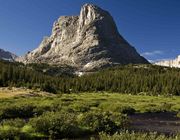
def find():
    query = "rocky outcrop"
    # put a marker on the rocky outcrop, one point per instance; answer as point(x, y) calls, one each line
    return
point(5, 55)
point(170, 63)
point(87, 42)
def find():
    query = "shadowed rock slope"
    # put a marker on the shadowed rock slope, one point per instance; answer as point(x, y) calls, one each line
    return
point(5, 55)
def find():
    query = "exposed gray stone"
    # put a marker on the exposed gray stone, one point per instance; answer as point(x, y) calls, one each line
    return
point(86, 42)
point(5, 55)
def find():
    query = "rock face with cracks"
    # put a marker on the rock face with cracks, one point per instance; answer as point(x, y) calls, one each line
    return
point(86, 42)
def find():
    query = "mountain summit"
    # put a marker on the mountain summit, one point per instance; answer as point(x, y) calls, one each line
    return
point(86, 42)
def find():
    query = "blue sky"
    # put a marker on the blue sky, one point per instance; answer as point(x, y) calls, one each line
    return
point(151, 26)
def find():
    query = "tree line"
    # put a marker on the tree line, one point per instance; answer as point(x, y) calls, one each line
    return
point(130, 79)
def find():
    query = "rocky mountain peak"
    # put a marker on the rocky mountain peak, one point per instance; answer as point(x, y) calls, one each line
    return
point(88, 41)
point(89, 13)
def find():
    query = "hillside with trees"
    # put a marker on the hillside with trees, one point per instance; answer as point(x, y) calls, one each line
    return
point(130, 79)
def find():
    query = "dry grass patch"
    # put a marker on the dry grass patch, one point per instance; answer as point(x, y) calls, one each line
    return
point(7, 92)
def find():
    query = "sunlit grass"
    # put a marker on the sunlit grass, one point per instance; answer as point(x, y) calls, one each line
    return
point(21, 114)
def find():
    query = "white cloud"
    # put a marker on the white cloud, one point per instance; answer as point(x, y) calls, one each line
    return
point(153, 53)
point(165, 59)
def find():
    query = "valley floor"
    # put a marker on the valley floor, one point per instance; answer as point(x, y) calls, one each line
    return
point(87, 114)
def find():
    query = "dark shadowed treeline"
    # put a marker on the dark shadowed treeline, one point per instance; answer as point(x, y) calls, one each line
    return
point(134, 79)
point(19, 75)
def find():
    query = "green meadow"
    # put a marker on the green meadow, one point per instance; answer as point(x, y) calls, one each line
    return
point(86, 116)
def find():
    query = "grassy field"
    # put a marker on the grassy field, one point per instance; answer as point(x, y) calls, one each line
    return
point(77, 115)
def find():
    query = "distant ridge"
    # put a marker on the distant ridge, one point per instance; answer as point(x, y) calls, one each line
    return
point(170, 63)
point(5, 55)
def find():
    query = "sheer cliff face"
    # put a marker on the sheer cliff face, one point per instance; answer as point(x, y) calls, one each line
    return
point(170, 63)
point(88, 41)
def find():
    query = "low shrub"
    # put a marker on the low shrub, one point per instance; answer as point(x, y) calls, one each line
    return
point(79, 107)
point(56, 124)
point(165, 107)
point(17, 111)
point(98, 121)
point(7, 132)
point(11, 129)
point(18, 123)
point(39, 110)
point(124, 109)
